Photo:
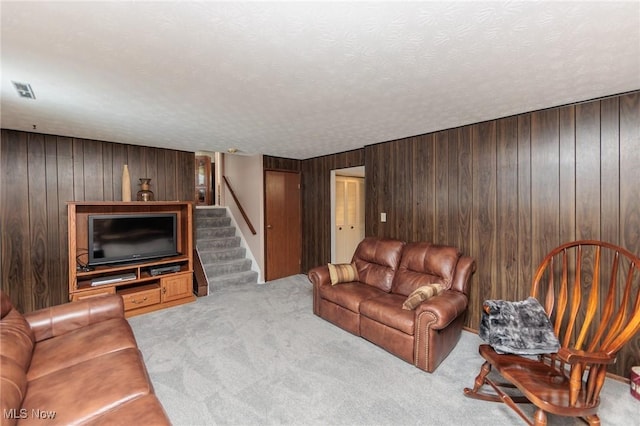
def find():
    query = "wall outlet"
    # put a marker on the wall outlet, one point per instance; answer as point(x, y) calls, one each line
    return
point(383, 217)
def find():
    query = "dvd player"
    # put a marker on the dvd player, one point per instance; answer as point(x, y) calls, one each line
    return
point(159, 270)
point(112, 279)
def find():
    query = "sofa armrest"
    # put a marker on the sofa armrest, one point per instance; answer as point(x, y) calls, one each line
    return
point(464, 270)
point(444, 307)
point(61, 319)
point(319, 275)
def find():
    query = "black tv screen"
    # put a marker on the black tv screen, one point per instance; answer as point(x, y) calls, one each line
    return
point(120, 238)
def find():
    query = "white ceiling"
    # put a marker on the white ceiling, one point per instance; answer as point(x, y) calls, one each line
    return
point(302, 79)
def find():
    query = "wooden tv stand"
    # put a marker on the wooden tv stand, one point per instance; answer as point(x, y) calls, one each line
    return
point(141, 290)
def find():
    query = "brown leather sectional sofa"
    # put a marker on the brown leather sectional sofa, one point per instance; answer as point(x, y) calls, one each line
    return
point(388, 272)
point(76, 363)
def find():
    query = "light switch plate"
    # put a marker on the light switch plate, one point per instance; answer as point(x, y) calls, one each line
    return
point(383, 217)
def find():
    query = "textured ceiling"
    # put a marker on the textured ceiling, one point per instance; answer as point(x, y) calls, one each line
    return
point(303, 79)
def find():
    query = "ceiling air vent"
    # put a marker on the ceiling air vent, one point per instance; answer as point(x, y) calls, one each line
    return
point(24, 90)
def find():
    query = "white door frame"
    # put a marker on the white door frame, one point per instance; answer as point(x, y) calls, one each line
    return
point(350, 171)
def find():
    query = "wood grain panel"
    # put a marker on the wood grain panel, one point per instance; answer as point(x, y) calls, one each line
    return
point(545, 172)
point(55, 265)
point(151, 172)
point(108, 176)
point(372, 191)
point(525, 250)
point(441, 196)
point(629, 204)
point(587, 170)
point(399, 193)
point(629, 161)
point(507, 208)
point(16, 257)
point(456, 149)
point(119, 160)
point(78, 169)
point(185, 176)
point(170, 165)
point(609, 169)
point(39, 285)
point(93, 179)
point(423, 183)
point(567, 202)
point(461, 216)
point(484, 210)
point(64, 165)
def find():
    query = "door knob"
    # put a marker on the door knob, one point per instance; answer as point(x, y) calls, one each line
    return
point(268, 226)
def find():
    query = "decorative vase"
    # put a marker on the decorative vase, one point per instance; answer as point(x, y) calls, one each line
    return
point(145, 194)
point(126, 184)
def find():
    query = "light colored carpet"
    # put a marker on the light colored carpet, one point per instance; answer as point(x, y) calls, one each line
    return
point(256, 355)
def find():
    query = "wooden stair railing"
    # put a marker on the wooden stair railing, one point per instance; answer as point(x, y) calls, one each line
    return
point(591, 293)
point(242, 212)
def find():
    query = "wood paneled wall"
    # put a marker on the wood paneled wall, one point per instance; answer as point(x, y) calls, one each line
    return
point(316, 204)
point(40, 173)
point(279, 163)
point(504, 191)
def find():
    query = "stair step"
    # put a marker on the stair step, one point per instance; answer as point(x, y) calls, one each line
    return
point(214, 243)
point(211, 256)
point(212, 222)
point(217, 269)
point(209, 233)
point(232, 280)
point(209, 212)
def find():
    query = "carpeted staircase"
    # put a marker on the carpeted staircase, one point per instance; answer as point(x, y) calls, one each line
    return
point(224, 260)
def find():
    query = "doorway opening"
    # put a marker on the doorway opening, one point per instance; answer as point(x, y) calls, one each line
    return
point(347, 212)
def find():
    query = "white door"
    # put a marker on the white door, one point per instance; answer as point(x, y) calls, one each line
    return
point(349, 216)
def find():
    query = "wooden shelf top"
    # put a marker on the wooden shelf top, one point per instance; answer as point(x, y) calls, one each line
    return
point(127, 203)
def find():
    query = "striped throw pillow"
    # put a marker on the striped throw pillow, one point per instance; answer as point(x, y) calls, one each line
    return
point(342, 273)
point(420, 294)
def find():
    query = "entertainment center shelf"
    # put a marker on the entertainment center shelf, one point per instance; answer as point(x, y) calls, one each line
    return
point(145, 285)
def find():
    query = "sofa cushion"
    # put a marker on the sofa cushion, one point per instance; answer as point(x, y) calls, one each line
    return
point(80, 345)
point(423, 263)
point(342, 273)
point(83, 391)
point(349, 295)
point(387, 309)
point(377, 261)
point(421, 294)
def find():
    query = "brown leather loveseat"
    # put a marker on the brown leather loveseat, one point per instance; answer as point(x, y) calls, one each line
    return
point(76, 363)
point(388, 273)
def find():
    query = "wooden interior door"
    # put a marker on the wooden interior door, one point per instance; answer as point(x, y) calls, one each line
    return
point(283, 239)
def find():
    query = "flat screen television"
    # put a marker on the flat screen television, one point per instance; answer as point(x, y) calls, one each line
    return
point(123, 238)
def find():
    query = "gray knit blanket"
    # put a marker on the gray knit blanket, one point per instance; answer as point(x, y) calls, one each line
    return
point(521, 327)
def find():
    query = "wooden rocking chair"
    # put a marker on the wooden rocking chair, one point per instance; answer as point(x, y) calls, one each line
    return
point(594, 312)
